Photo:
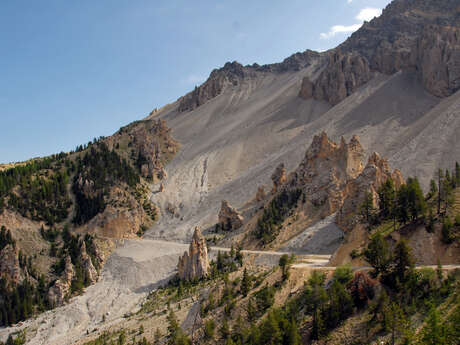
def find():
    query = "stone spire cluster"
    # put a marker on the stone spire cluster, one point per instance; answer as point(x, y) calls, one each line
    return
point(194, 264)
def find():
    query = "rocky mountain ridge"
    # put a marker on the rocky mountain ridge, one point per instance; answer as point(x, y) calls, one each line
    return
point(233, 74)
point(421, 36)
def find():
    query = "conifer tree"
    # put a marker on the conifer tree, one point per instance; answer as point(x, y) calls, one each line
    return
point(245, 283)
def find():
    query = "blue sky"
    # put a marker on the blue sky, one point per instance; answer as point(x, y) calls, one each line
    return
point(74, 70)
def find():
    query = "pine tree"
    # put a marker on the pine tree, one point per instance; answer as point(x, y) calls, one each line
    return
point(378, 254)
point(251, 310)
point(433, 189)
point(284, 263)
point(387, 194)
point(440, 179)
point(367, 207)
point(435, 332)
point(457, 174)
point(403, 261)
point(270, 330)
point(293, 336)
point(173, 327)
point(225, 330)
point(157, 337)
point(245, 283)
point(403, 208)
point(415, 198)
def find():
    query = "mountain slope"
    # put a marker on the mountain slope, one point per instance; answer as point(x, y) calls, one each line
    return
point(261, 116)
point(245, 120)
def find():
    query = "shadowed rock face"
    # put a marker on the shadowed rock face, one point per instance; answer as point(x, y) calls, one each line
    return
point(437, 57)
point(9, 265)
point(414, 35)
point(342, 76)
point(229, 218)
point(194, 264)
point(87, 264)
point(58, 293)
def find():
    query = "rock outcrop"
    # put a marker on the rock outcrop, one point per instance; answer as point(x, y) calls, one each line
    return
point(326, 170)
point(121, 218)
point(149, 144)
point(229, 218)
point(230, 75)
point(374, 175)
point(419, 35)
point(60, 290)
point(87, 264)
point(278, 177)
point(194, 264)
point(10, 269)
point(437, 57)
point(344, 74)
point(260, 195)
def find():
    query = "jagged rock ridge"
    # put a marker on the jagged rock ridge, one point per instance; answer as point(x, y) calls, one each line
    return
point(233, 73)
point(334, 178)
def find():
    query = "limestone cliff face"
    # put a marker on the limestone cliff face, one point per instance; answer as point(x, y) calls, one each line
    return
point(327, 169)
point(278, 177)
point(344, 74)
point(374, 175)
point(10, 269)
point(415, 35)
point(437, 57)
point(229, 218)
point(60, 290)
point(194, 264)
